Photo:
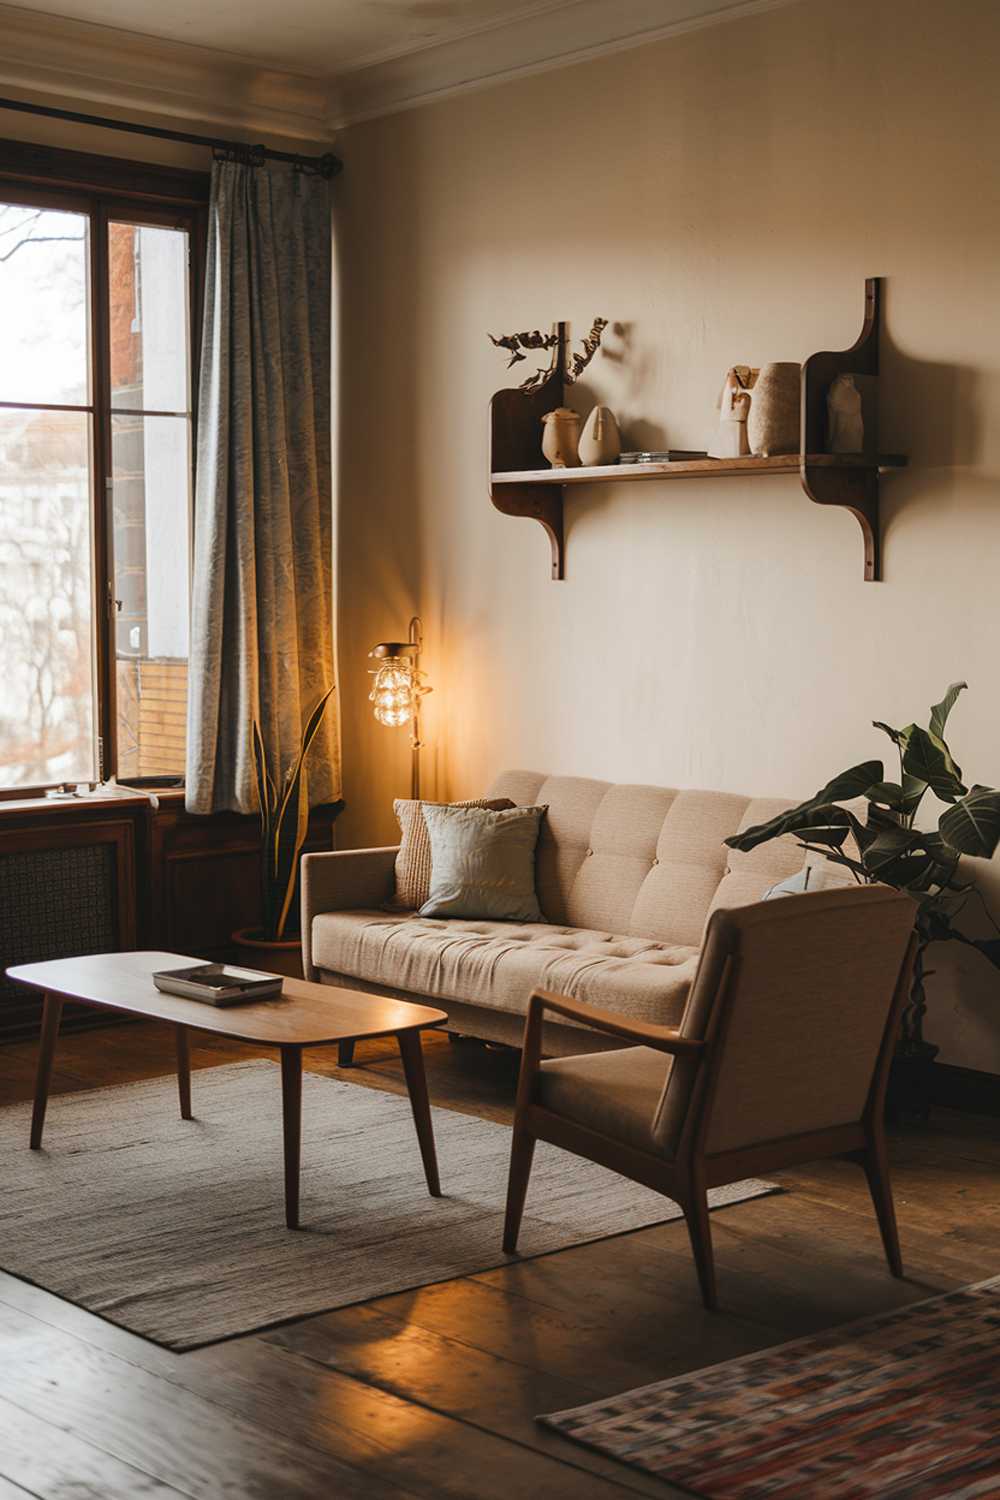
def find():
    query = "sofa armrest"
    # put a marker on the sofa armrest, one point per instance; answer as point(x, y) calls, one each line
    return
point(342, 880)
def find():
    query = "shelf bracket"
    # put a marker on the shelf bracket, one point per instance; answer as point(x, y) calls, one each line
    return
point(856, 490)
point(516, 443)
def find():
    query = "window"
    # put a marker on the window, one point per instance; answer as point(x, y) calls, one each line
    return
point(96, 357)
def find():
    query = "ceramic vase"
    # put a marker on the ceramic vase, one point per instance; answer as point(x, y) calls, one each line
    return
point(561, 437)
point(773, 421)
point(845, 427)
point(600, 440)
point(730, 437)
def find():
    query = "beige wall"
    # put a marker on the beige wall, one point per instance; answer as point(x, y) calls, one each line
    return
point(722, 195)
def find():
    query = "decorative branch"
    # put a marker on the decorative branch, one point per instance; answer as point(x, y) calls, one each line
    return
point(517, 343)
point(591, 344)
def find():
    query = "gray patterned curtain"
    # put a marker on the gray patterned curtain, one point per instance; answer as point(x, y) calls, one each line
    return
point(261, 622)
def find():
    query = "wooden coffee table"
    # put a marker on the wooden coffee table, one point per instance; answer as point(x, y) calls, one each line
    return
point(304, 1015)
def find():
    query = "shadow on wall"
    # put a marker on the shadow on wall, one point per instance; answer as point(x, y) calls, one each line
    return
point(380, 537)
point(934, 413)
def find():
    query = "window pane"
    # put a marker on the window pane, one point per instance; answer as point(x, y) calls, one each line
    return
point(151, 469)
point(47, 686)
point(148, 268)
point(43, 306)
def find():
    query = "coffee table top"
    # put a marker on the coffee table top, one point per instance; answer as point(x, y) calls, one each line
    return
point(305, 1014)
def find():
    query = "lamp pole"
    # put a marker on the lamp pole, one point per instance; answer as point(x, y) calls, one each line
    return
point(416, 640)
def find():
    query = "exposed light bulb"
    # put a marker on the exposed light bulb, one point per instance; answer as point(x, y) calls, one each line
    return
point(393, 692)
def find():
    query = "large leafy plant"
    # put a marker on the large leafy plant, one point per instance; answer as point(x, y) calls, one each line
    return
point(882, 842)
point(284, 817)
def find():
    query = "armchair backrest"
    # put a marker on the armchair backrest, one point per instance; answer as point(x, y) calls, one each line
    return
point(793, 997)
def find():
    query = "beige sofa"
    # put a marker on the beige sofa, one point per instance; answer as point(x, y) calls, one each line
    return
point(627, 877)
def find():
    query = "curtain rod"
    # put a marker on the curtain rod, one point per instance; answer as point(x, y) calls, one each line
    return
point(327, 165)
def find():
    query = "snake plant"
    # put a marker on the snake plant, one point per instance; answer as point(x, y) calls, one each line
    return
point(284, 817)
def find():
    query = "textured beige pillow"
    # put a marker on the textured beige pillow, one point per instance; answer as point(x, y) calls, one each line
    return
point(413, 862)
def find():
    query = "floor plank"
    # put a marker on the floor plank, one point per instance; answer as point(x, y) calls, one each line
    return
point(434, 1392)
point(53, 1465)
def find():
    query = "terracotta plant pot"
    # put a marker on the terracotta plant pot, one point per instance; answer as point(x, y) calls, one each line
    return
point(256, 952)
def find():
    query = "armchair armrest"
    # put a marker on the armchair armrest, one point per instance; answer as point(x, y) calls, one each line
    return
point(342, 880)
point(643, 1033)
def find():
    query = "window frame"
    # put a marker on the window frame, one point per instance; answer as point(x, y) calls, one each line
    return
point(109, 189)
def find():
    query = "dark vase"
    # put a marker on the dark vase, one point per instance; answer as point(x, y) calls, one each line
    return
point(254, 951)
point(910, 1093)
point(911, 1084)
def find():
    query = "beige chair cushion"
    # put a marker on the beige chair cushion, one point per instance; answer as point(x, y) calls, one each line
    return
point(614, 1093)
point(814, 980)
point(498, 964)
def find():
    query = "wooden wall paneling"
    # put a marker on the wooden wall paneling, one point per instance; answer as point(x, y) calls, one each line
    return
point(67, 887)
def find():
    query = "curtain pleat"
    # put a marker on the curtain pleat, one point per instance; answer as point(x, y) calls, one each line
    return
point(262, 594)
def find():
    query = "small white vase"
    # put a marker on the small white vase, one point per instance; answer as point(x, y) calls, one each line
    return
point(560, 438)
point(600, 440)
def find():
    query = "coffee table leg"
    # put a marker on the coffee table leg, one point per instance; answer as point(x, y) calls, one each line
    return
point(184, 1072)
point(51, 1013)
point(291, 1104)
point(412, 1053)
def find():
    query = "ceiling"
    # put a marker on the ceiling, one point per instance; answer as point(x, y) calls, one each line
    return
point(319, 37)
point(301, 69)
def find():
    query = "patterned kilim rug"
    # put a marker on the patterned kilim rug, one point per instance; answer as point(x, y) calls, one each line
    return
point(903, 1406)
point(176, 1229)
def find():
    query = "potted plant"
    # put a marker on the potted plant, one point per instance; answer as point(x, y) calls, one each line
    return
point(284, 818)
point(883, 843)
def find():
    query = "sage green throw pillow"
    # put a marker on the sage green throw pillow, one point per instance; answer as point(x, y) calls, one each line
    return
point(483, 863)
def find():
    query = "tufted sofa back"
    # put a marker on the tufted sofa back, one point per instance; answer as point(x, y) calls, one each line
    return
point(646, 861)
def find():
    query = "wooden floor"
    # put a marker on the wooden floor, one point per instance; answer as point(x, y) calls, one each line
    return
point(433, 1392)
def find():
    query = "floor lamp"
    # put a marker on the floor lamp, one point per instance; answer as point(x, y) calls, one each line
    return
point(398, 688)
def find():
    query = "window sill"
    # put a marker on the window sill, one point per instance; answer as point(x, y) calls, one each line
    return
point(57, 806)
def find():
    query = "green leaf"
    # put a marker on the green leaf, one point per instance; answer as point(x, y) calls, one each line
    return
point(898, 736)
point(817, 809)
point(940, 711)
point(929, 760)
point(887, 847)
point(825, 828)
point(972, 826)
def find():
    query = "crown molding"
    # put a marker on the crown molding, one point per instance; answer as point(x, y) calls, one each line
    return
point(552, 35)
point(52, 59)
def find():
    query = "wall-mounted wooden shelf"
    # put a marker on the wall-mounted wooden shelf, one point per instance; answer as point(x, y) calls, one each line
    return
point(522, 484)
point(696, 468)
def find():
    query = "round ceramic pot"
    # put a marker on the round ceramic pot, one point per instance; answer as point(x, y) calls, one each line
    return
point(560, 438)
point(256, 952)
point(773, 420)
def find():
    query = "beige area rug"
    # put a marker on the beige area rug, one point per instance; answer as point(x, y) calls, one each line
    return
point(175, 1229)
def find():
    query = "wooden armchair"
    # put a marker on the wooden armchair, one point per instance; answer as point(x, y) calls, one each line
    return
point(782, 1056)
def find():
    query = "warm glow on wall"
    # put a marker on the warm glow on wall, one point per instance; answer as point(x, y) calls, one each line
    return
point(398, 688)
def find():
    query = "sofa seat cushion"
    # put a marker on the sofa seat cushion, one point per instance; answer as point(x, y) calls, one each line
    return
point(498, 964)
point(615, 1093)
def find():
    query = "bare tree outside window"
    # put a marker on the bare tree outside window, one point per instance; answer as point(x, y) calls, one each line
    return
point(50, 688)
point(47, 693)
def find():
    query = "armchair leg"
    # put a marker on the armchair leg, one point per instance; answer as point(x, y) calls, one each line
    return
point(695, 1209)
point(876, 1164)
point(345, 1054)
point(521, 1156)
